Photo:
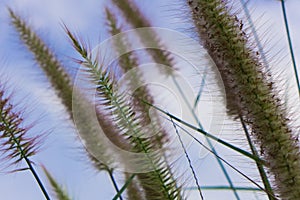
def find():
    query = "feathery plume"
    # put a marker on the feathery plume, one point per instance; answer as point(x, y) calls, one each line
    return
point(59, 192)
point(15, 145)
point(250, 93)
point(157, 183)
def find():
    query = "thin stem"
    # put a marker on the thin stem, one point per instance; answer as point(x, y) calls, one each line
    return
point(223, 160)
point(124, 187)
point(38, 180)
point(201, 89)
point(226, 174)
point(224, 188)
point(188, 159)
point(23, 155)
point(290, 44)
point(255, 35)
point(113, 180)
point(259, 165)
point(9, 123)
point(243, 152)
point(264, 60)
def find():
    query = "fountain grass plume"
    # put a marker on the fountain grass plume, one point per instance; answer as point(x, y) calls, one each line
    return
point(71, 97)
point(60, 193)
point(158, 183)
point(149, 38)
point(15, 144)
point(250, 92)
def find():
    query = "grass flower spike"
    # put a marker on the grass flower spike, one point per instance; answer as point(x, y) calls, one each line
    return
point(61, 82)
point(59, 192)
point(15, 145)
point(142, 102)
point(250, 94)
point(158, 183)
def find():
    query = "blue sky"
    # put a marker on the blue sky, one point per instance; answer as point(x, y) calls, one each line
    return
point(61, 153)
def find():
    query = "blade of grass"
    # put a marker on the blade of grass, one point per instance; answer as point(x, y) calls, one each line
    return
point(260, 167)
point(202, 84)
point(224, 188)
point(243, 152)
point(226, 174)
point(188, 159)
point(112, 178)
point(284, 13)
point(254, 32)
point(123, 188)
point(226, 162)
